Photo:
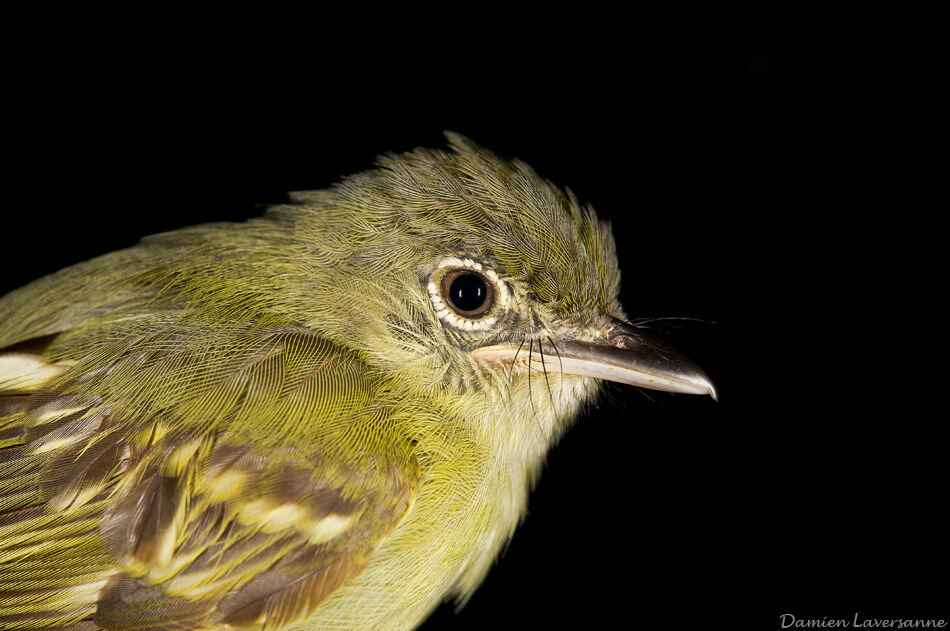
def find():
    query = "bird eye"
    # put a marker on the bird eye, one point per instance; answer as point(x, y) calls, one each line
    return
point(469, 293)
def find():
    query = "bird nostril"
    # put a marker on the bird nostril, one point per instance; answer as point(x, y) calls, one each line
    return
point(623, 341)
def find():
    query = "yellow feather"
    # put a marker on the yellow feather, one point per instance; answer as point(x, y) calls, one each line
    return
point(27, 373)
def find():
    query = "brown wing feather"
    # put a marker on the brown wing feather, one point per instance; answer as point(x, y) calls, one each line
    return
point(277, 599)
point(265, 550)
point(131, 604)
point(157, 526)
point(52, 564)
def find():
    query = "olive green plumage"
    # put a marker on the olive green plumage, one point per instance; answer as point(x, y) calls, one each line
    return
point(275, 425)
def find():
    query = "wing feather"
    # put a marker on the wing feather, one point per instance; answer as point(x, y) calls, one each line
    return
point(238, 480)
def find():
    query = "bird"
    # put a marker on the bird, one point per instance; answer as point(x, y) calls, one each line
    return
point(327, 417)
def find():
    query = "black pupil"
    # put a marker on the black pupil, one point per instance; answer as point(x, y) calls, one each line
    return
point(468, 292)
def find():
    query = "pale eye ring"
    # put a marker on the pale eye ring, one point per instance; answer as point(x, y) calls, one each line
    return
point(468, 292)
point(467, 295)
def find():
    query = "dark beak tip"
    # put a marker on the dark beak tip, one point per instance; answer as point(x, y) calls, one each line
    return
point(625, 336)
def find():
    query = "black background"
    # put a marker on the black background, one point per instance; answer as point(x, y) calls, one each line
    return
point(723, 145)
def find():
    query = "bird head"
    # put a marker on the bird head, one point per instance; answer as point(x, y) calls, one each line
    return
point(471, 278)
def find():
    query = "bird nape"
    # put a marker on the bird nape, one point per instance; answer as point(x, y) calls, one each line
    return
point(329, 416)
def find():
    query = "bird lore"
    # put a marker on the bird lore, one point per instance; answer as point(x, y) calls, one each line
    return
point(790, 621)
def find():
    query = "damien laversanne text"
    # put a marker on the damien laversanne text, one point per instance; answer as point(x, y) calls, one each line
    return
point(790, 621)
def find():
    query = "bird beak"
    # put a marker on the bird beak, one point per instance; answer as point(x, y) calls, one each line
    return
point(625, 355)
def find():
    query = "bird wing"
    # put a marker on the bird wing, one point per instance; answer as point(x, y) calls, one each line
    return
point(157, 473)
